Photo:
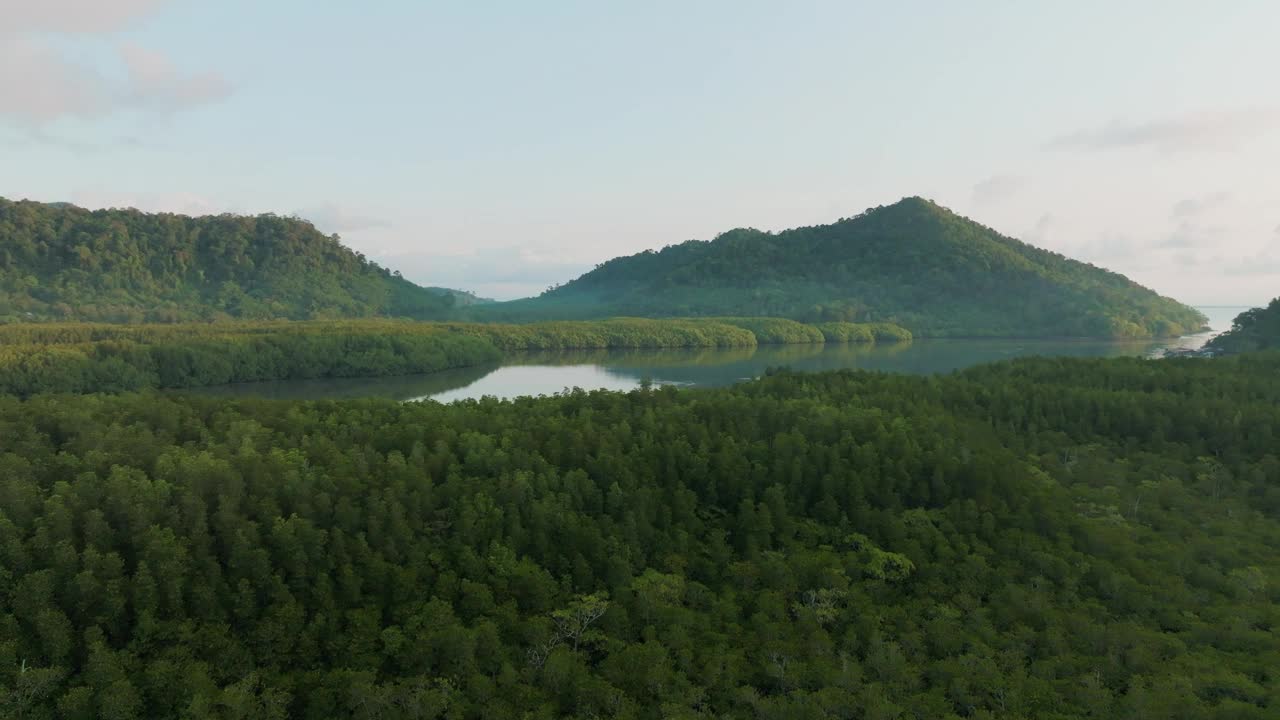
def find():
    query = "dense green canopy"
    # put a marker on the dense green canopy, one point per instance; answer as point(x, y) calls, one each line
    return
point(61, 262)
point(913, 263)
point(1255, 329)
point(1042, 539)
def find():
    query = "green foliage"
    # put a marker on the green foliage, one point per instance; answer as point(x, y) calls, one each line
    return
point(912, 263)
point(74, 357)
point(778, 331)
point(1255, 329)
point(1034, 539)
point(612, 333)
point(462, 298)
point(70, 357)
point(67, 263)
point(863, 332)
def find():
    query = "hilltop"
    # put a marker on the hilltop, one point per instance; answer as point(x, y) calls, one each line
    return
point(62, 262)
point(914, 263)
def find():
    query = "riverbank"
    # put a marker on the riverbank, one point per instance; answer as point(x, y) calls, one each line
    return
point(84, 358)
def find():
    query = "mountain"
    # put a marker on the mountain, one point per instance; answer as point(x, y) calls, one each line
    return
point(462, 298)
point(1256, 329)
point(913, 263)
point(59, 261)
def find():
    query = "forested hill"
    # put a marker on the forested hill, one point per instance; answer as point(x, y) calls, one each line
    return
point(913, 263)
point(463, 298)
point(1256, 329)
point(59, 262)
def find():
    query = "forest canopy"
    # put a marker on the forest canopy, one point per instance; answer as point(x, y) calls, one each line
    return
point(1254, 329)
point(62, 262)
point(912, 263)
point(1033, 539)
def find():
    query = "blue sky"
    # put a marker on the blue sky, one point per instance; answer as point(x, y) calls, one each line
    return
point(504, 146)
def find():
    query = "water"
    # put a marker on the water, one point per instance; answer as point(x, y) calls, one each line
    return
point(548, 373)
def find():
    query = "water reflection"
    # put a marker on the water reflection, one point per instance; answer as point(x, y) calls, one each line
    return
point(401, 388)
point(545, 373)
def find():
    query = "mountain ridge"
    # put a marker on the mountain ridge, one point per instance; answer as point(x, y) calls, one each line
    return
point(62, 262)
point(913, 262)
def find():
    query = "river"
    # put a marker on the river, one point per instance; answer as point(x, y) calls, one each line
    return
point(547, 373)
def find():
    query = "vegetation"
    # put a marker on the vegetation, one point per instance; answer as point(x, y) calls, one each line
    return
point(913, 263)
point(462, 298)
point(779, 331)
point(1256, 329)
point(1034, 539)
point(72, 357)
point(863, 332)
point(61, 262)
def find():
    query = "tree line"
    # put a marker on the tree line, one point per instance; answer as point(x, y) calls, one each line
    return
point(1033, 539)
point(74, 357)
point(1254, 329)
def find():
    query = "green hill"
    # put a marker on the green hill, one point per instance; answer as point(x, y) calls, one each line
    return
point(61, 262)
point(913, 263)
point(1256, 329)
point(462, 298)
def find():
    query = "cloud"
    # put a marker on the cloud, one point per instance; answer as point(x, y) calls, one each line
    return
point(1263, 263)
point(997, 187)
point(155, 82)
point(37, 85)
point(332, 218)
point(41, 83)
point(1191, 230)
point(1112, 247)
point(1116, 251)
point(1190, 234)
point(1203, 131)
point(1195, 206)
point(72, 16)
point(1195, 260)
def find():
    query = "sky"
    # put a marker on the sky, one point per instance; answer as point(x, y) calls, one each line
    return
point(501, 146)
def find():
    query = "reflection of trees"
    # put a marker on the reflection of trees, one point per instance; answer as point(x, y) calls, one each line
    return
point(402, 387)
point(634, 358)
point(777, 355)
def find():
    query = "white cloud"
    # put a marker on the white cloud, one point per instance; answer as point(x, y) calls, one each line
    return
point(1223, 130)
point(997, 187)
point(1266, 262)
point(72, 16)
point(155, 82)
point(1194, 206)
point(40, 83)
point(37, 85)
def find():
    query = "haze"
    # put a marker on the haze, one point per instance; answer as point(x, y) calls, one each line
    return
point(503, 147)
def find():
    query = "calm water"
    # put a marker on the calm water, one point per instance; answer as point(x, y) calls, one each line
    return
point(547, 373)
